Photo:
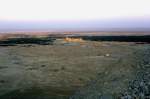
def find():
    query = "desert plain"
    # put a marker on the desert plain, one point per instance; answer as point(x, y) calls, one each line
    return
point(83, 69)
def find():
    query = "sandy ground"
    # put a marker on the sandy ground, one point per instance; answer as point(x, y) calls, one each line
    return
point(60, 71)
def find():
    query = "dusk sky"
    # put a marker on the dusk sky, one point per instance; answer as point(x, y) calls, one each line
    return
point(58, 15)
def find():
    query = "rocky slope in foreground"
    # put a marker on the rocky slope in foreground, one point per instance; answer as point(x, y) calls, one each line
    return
point(138, 87)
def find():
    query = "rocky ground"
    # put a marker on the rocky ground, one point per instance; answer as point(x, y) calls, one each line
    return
point(138, 87)
point(87, 70)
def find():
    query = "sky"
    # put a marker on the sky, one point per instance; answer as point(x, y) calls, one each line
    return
point(58, 15)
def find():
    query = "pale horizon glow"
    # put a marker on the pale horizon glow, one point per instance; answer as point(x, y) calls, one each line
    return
point(74, 15)
point(68, 10)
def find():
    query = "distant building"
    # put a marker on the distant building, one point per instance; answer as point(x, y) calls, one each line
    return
point(68, 39)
